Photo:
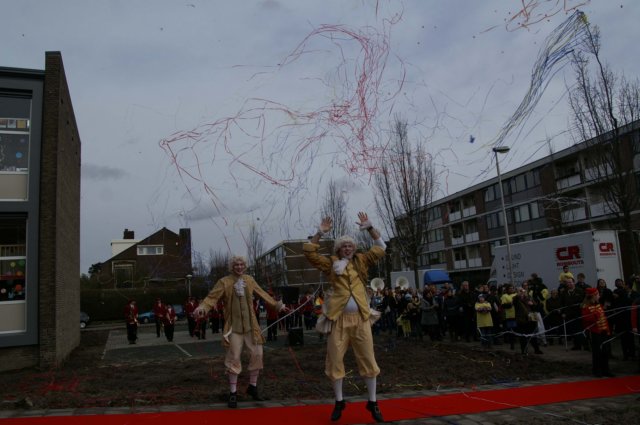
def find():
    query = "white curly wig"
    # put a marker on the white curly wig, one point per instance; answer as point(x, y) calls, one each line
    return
point(341, 241)
point(235, 258)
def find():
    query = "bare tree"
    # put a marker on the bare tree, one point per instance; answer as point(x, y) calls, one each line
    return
point(404, 187)
point(218, 265)
point(605, 107)
point(255, 247)
point(335, 206)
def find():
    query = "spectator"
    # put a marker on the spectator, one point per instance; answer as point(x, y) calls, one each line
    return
point(169, 321)
point(429, 315)
point(467, 300)
point(509, 311)
point(526, 322)
point(581, 281)
point(131, 319)
point(564, 275)
point(621, 319)
point(595, 322)
point(605, 294)
point(158, 312)
point(484, 320)
point(553, 316)
point(571, 300)
point(493, 299)
point(452, 314)
point(635, 320)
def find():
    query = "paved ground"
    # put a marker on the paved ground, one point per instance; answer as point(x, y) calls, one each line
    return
point(620, 410)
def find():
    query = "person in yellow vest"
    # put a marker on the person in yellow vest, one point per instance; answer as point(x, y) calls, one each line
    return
point(241, 326)
point(348, 308)
point(484, 320)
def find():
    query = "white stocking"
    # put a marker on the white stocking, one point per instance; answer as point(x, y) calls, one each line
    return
point(233, 382)
point(371, 388)
point(337, 389)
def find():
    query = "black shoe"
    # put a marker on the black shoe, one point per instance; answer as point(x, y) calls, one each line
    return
point(609, 375)
point(372, 406)
point(538, 352)
point(337, 410)
point(252, 390)
point(233, 400)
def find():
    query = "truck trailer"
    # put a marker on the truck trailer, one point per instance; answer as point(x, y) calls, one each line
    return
point(596, 253)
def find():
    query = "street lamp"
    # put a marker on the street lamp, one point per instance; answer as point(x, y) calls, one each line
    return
point(189, 276)
point(496, 151)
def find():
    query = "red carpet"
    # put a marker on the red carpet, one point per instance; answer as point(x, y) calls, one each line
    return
point(393, 410)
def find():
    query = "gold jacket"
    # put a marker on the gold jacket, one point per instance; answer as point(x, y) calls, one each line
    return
point(351, 283)
point(224, 290)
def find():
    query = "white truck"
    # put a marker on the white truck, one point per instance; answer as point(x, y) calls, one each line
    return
point(595, 253)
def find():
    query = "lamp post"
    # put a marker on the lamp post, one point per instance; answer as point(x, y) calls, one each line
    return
point(496, 151)
point(189, 276)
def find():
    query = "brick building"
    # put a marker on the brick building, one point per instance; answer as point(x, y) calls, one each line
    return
point(160, 257)
point(39, 217)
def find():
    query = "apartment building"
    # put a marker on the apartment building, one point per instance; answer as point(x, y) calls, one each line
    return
point(559, 194)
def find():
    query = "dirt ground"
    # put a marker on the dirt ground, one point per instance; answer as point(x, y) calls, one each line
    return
point(290, 373)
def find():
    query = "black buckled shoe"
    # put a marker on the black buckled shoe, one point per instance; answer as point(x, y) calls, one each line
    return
point(233, 400)
point(372, 406)
point(252, 390)
point(337, 410)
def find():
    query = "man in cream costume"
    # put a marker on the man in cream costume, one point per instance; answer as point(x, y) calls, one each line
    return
point(241, 326)
point(348, 308)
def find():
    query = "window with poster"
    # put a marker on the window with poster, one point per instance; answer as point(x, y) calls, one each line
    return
point(13, 266)
point(15, 132)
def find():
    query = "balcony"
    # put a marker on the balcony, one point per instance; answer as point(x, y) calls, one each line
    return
point(454, 216)
point(601, 208)
point(460, 264)
point(575, 214)
point(457, 241)
point(596, 173)
point(472, 237)
point(474, 262)
point(568, 181)
point(469, 211)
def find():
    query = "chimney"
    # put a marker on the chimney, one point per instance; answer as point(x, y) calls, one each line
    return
point(129, 234)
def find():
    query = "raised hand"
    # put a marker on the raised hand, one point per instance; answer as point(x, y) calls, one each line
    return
point(364, 223)
point(326, 224)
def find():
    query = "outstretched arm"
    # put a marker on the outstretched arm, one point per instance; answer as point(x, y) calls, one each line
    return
point(365, 224)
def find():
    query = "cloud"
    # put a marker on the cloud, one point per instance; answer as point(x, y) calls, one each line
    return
point(100, 172)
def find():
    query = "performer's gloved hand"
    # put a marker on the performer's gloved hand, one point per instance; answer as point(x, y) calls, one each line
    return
point(325, 225)
point(364, 223)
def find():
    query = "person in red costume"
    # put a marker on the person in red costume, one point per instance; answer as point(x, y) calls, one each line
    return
point(189, 308)
point(131, 319)
point(595, 322)
point(158, 312)
point(169, 321)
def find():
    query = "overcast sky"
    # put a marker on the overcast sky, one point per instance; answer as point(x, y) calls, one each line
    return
point(145, 74)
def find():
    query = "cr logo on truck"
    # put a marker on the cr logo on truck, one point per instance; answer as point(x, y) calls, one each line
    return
point(606, 247)
point(568, 253)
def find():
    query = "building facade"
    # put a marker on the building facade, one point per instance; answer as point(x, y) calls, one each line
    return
point(567, 192)
point(163, 256)
point(39, 217)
